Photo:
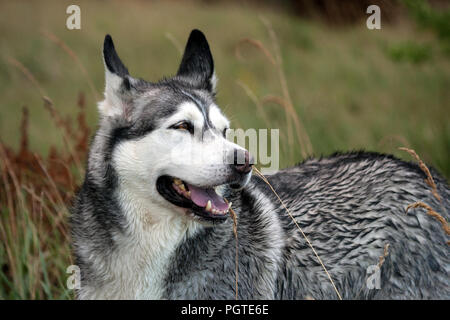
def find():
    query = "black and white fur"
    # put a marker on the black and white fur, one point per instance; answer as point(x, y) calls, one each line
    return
point(131, 243)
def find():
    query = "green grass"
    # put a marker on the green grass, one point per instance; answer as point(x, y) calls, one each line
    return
point(349, 93)
point(346, 87)
point(33, 258)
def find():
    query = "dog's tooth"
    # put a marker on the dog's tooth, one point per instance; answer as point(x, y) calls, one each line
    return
point(182, 187)
point(177, 181)
point(189, 194)
point(208, 206)
point(229, 205)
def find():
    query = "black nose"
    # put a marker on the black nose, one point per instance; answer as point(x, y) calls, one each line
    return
point(243, 161)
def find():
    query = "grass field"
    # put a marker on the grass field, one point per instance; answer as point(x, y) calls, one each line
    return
point(351, 88)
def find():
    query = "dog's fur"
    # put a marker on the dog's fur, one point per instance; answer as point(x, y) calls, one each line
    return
point(131, 243)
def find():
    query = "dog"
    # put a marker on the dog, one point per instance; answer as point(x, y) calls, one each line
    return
point(151, 222)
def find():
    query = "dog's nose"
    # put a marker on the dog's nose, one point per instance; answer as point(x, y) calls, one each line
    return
point(243, 162)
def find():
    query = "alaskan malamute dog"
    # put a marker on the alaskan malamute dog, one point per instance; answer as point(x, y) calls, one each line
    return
point(151, 221)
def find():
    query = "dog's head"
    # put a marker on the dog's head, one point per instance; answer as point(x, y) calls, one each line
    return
point(170, 148)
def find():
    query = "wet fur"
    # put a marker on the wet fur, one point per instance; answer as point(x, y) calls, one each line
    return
point(130, 244)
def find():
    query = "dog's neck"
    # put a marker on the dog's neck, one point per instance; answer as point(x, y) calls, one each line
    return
point(143, 251)
point(143, 247)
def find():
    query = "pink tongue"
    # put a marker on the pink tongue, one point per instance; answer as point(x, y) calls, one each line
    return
point(201, 196)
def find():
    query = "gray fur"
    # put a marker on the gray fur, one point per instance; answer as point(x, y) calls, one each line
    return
point(349, 205)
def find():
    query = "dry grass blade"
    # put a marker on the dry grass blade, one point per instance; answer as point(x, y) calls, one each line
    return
point(432, 213)
point(52, 183)
point(73, 55)
point(256, 101)
point(24, 130)
point(67, 169)
point(48, 104)
point(384, 255)
point(27, 73)
point(7, 187)
point(279, 67)
point(12, 174)
point(300, 229)
point(389, 140)
point(5, 171)
point(268, 55)
point(175, 43)
point(429, 180)
point(284, 87)
point(286, 101)
point(380, 263)
point(35, 192)
point(257, 44)
point(234, 217)
point(303, 139)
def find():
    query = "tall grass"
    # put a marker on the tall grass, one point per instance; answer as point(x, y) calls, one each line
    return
point(35, 194)
point(284, 101)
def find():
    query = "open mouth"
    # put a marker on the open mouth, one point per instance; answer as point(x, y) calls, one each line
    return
point(202, 201)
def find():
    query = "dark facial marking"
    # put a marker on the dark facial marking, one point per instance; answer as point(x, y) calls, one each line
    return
point(203, 107)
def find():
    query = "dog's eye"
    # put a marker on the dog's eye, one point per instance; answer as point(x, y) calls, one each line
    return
point(183, 125)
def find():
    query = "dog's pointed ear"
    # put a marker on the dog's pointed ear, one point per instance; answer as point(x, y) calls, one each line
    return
point(117, 81)
point(112, 60)
point(197, 64)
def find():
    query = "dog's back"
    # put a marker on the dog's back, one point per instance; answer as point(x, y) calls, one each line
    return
point(352, 208)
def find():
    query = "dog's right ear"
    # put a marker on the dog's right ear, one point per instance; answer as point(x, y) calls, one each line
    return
point(197, 63)
point(117, 81)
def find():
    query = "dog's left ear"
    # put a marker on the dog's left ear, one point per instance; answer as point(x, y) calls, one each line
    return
point(117, 82)
point(197, 64)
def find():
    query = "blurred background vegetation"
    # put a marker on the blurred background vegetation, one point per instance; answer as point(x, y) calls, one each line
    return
point(350, 87)
point(353, 88)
